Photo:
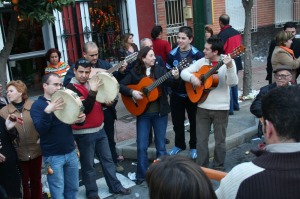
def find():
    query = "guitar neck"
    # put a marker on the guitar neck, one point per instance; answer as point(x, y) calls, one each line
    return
point(159, 81)
point(115, 68)
point(129, 59)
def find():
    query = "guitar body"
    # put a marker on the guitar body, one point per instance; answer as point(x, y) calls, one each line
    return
point(195, 93)
point(137, 107)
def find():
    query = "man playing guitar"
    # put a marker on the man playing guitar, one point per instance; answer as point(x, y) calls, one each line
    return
point(214, 110)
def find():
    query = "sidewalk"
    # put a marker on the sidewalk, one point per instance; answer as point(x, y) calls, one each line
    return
point(241, 126)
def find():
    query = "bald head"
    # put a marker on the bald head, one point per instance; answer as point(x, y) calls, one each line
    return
point(146, 42)
point(224, 20)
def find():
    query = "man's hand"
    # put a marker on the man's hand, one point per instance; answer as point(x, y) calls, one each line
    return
point(94, 83)
point(109, 103)
point(80, 118)
point(2, 158)
point(57, 104)
point(123, 67)
point(175, 73)
point(137, 94)
point(195, 81)
point(227, 61)
point(11, 121)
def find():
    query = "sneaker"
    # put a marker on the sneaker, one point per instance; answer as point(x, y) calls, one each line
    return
point(193, 154)
point(175, 150)
point(119, 168)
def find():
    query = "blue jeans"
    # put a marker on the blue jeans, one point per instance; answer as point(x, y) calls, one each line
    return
point(89, 145)
point(64, 181)
point(234, 104)
point(143, 125)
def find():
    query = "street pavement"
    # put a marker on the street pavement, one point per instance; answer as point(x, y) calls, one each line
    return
point(242, 126)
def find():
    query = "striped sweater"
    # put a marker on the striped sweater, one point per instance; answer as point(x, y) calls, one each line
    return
point(61, 69)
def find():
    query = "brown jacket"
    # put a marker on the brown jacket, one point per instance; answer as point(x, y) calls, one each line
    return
point(280, 57)
point(28, 146)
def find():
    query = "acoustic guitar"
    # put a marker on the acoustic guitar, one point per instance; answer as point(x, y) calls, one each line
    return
point(149, 89)
point(209, 79)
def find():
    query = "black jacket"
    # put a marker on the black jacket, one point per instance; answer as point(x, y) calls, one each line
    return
point(133, 78)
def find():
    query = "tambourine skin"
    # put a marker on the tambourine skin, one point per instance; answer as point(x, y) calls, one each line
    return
point(109, 89)
point(73, 106)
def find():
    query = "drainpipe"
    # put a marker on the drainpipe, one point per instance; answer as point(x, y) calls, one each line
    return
point(155, 12)
point(199, 23)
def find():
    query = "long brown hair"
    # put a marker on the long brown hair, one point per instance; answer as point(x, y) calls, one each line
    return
point(140, 67)
point(124, 43)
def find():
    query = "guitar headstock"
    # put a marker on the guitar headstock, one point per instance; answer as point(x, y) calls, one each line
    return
point(238, 51)
point(132, 57)
point(184, 63)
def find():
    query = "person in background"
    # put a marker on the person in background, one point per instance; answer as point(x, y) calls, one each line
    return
point(283, 55)
point(232, 39)
point(275, 173)
point(288, 27)
point(178, 177)
point(127, 47)
point(3, 99)
point(57, 141)
point(10, 180)
point(208, 31)
point(156, 113)
point(55, 65)
point(179, 100)
point(283, 77)
point(27, 145)
point(161, 47)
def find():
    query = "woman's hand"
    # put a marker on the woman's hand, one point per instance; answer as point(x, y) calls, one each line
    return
point(2, 158)
point(11, 121)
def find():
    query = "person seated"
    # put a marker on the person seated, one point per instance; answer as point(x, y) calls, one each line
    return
point(178, 177)
point(275, 173)
point(283, 77)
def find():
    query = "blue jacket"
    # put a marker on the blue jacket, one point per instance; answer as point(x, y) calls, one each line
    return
point(178, 85)
point(56, 138)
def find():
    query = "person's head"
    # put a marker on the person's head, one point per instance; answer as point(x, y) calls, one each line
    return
point(82, 70)
point(51, 83)
point(91, 52)
point(146, 42)
point(156, 32)
point(185, 38)
point(224, 20)
point(290, 27)
point(145, 59)
point(213, 47)
point(16, 91)
point(284, 38)
point(178, 177)
point(281, 115)
point(127, 40)
point(282, 76)
point(53, 56)
point(208, 32)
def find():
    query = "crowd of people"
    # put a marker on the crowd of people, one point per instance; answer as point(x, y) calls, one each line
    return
point(32, 135)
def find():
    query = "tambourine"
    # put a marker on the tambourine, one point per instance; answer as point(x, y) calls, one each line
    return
point(73, 106)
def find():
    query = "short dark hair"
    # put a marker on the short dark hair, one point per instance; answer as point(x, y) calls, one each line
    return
point(46, 77)
point(225, 19)
point(216, 44)
point(289, 24)
point(282, 108)
point(178, 177)
point(50, 51)
point(187, 30)
point(83, 62)
point(156, 30)
point(89, 44)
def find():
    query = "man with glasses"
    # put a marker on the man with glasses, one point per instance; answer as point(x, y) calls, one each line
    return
point(283, 77)
point(275, 173)
point(288, 27)
point(91, 138)
point(57, 141)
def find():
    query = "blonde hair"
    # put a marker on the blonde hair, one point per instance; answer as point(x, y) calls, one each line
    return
point(283, 37)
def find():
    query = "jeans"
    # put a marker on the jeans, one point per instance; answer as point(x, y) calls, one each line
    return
point(89, 145)
point(31, 178)
point(64, 182)
point(143, 125)
point(234, 97)
point(109, 127)
point(178, 107)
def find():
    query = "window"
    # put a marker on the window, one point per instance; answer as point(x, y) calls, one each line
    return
point(283, 12)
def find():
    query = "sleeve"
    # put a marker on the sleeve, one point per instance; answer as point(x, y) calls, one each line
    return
point(231, 75)
point(283, 58)
point(70, 74)
point(186, 73)
point(269, 63)
point(124, 90)
point(255, 107)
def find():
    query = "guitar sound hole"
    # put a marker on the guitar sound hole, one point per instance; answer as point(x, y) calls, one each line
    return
point(145, 91)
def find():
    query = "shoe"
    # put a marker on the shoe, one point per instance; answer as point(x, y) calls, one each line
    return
point(119, 168)
point(236, 109)
point(93, 197)
point(139, 181)
point(120, 158)
point(123, 191)
point(193, 154)
point(175, 150)
point(231, 113)
point(167, 141)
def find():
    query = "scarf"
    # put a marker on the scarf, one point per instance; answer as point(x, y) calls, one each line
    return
point(290, 51)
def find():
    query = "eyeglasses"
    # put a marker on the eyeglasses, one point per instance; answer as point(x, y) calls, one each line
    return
point(55, 84)
point(281, 76)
